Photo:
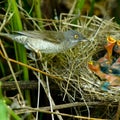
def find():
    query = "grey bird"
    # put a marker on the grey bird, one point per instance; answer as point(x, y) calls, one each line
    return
point(46, 41)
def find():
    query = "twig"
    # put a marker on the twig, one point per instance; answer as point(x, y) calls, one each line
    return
point(76, 104)
point(11, 69)
point(10, 76)
point(10, 85)
point(46, 92)
point(29, 109)
point(30, 67)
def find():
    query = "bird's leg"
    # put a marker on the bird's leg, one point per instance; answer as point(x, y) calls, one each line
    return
point(30, 47)
point(39, 59)
point(36, 55)
point(37, 52)
point(39, 55)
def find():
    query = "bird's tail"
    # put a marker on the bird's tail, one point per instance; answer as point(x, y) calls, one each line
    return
point(7, 36)
point(14, 37)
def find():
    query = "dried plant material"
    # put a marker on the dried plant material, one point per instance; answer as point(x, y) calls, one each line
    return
point(72, 65)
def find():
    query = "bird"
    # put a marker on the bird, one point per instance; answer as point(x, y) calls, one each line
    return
point(106, 61)
point(47, 41)
point(105, 86)
point(109, 46)
point(115, 68)
point(105, 67)
point(94, 66)
point(117, 47)
point(112, 79)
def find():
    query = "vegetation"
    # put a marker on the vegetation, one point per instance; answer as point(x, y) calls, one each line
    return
point(39, 87)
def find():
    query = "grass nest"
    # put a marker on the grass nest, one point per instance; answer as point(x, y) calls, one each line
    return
point(79, 82)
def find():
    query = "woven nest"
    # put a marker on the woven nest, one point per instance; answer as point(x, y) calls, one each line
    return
point(79, 82)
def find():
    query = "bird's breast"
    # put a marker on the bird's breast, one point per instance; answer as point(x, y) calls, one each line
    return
point(43, 46)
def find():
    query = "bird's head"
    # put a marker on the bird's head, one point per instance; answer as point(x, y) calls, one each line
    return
point(94, 66)
point(74, 37)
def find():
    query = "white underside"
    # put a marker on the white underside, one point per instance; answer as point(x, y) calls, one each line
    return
point(42, 45)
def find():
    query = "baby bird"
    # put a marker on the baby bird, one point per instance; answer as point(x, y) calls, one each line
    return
point(106, 60)
point(117, 47)
point(115, 68)
point(111, 78)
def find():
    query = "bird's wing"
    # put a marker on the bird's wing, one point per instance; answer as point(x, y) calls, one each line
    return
point(52, 36)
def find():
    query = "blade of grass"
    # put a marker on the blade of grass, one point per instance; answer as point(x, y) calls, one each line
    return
point(38, 11)
point(16, 24)
point(3, 108)
point(79, 6)
point(91, 8)
point(2, 68)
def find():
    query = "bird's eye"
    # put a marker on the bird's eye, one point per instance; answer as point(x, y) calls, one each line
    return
point(76, 36)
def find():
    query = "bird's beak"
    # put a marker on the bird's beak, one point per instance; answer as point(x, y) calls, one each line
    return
point(84, 39)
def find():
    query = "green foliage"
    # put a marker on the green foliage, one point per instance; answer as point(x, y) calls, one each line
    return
point(92, 8)
point(79, 6)
point(5, 111)
point(20, 51)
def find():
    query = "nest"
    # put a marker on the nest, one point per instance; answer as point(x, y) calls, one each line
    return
point(79, 82)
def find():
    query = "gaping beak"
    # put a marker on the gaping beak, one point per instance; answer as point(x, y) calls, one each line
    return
point(109, 47)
